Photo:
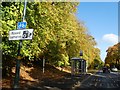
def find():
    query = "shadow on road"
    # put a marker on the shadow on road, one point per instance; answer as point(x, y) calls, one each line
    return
point(102, 80)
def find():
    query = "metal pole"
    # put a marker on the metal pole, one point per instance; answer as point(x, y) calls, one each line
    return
point(17, 72)
point(43, 65)
point(24, 12)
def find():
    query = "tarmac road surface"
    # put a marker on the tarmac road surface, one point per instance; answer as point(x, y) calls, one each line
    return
point(101, 80)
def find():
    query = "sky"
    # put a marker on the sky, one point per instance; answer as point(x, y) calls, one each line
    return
point(101, 20)
point(98, 0)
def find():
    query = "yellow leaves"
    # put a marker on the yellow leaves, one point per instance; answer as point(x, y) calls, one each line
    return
point(112, 54)
point(11, 22)
point(56, 30)
point(107, 65)
point(63, 45)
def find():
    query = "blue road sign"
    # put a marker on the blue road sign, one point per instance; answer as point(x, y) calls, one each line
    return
point(21, 25)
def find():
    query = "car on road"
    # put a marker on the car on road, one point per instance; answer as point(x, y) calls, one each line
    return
point(114, 69)
point(106, 70)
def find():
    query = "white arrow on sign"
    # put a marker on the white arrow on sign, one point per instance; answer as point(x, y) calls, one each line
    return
point(25, 34)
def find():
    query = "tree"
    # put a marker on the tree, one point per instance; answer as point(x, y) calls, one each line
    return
point(113, 56)
point(58, 35)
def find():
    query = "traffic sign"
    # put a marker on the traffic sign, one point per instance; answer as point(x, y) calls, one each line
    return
point(21, 25)
point(25, 34)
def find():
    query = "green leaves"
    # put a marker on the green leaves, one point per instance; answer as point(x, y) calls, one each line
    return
point(58, 35)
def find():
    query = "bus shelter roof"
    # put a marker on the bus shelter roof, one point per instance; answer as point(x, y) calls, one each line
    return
point(79, 59)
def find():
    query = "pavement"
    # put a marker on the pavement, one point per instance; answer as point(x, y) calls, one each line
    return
point(67, 83)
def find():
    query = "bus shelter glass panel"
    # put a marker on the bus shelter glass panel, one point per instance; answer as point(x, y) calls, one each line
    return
point(78, 65)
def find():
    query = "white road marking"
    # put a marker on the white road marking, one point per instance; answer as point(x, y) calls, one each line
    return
point(100, 84)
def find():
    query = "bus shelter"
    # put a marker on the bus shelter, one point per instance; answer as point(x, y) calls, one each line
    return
point(78, 66)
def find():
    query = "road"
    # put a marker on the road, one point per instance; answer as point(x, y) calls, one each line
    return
point(101, 80)
point(96, 80)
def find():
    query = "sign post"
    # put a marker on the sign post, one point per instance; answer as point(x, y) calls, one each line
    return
point(17, 72)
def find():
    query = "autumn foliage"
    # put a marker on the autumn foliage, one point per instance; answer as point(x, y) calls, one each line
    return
point(58, 34)
point(113, 56)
